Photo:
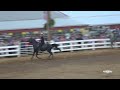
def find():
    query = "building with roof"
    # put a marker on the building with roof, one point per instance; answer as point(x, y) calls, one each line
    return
point(113, 21)
point(22, 22)
point(9, 26)
point(27, 15)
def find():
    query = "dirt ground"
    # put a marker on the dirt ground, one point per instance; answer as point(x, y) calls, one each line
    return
point(67, 65)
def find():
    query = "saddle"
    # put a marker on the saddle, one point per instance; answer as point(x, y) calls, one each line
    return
point(44, 46)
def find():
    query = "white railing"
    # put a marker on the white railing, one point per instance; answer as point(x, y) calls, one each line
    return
point(10, 51)
point(90, 44)
point(26, 49)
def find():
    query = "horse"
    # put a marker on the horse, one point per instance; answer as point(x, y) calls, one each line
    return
point(46, 47)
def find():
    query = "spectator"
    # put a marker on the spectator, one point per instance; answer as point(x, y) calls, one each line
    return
point(56, 38)
point(79, 37)
point(67, 36)
point(11, 42)
point(72, 37)
point(16, 42)
point(62, 38)
point(85, 37)
point(2, 43)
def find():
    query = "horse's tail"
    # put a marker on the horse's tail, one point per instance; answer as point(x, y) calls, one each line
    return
point(56, 46)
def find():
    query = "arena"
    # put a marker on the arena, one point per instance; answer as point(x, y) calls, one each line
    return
point(85, 45)
point(66, 65)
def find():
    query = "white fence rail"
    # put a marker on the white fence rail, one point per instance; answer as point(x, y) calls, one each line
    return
point(90, 44)
point(10, 51)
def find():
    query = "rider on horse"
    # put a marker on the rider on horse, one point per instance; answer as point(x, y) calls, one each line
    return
point(42, 40)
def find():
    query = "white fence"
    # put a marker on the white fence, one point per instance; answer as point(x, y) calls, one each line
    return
point(90, 44)
point(26, 49)
point(9, 51)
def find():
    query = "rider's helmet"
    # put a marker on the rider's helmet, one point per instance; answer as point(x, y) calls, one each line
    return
point(41, 33)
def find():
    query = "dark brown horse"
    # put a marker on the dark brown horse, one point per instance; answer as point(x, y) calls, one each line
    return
point(46, 47)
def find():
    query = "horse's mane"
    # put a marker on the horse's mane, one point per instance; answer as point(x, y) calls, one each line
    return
point(32, 41)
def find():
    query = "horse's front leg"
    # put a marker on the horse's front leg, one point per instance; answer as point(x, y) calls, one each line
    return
point(37, 55)
point(33, 55)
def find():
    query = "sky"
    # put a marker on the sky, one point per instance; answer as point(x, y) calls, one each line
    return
point(94, 17)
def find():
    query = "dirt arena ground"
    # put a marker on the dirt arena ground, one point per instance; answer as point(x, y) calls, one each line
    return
point(67, 65)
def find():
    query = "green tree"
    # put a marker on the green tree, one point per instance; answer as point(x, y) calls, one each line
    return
point(51, 24)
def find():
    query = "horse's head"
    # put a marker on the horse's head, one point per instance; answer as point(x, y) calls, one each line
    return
point(32, 41)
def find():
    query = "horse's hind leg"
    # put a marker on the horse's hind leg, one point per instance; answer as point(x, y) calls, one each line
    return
point(51, 54)
point(58, 49)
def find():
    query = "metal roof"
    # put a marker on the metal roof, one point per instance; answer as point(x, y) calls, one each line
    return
point(27, 15)
point(27, 24)
point(108, 20)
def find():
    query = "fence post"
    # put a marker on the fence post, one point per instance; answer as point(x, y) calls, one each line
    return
point(19, 50)
point(71, 46)
point(61, 46)
point(116, 45)
point(7, 53)
point(93, 42)
point(105, 43)
point(82, 42)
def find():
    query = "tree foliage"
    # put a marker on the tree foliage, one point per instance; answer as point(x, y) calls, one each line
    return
point(51, 24)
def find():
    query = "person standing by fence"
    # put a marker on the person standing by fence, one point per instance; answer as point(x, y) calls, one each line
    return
point(79, 37)
point(113, 37)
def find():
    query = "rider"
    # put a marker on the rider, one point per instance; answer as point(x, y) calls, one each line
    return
point(42, 40)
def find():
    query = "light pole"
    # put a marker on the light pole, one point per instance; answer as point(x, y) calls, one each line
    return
point(48, 27)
